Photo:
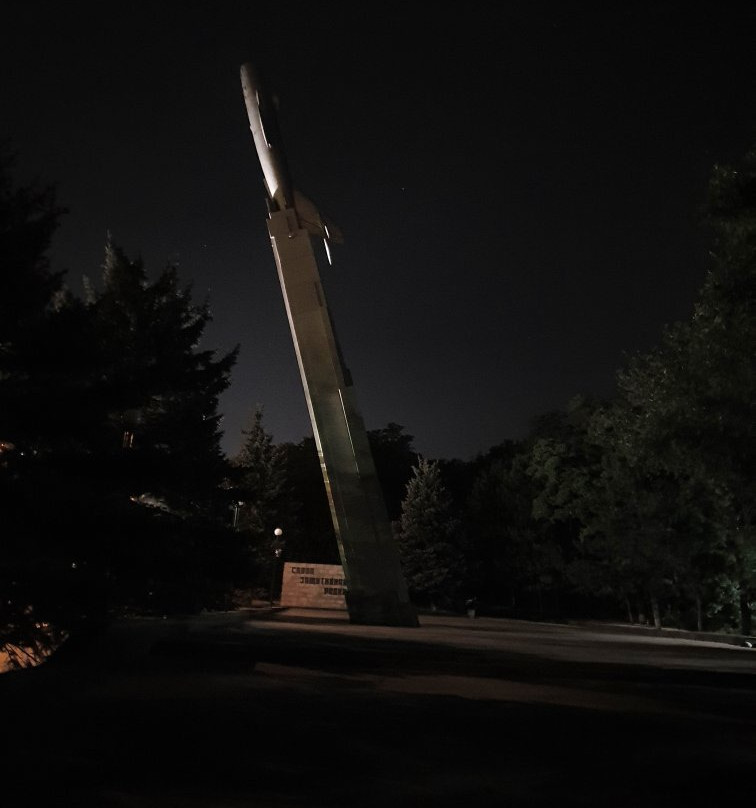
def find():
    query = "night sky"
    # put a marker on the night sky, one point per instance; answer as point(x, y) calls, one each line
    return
point(518, 187)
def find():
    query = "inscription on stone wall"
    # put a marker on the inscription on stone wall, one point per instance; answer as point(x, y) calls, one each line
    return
point(316, 586)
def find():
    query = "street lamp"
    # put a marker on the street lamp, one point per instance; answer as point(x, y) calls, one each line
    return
point(277, 551)
point(237, 506)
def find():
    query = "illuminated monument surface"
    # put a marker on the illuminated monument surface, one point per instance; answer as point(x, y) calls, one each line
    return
point(376, 590)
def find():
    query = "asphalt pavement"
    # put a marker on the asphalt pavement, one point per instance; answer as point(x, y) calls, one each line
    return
point(288, 707)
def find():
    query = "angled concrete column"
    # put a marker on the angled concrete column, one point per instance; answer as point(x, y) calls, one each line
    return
point(376, 590)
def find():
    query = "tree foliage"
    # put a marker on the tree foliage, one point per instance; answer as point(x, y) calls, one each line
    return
point(262, 501)
point(29, 215)
point(429, 539)
point(394, 457)
point(515, 563)
point(659, 482)
point(259, 479)
point(111, 471)
point(307, 519)
point(693, 399)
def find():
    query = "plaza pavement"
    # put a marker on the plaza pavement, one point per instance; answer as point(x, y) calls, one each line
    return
point(287, 707)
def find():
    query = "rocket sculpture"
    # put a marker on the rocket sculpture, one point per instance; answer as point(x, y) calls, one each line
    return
point(376, 589)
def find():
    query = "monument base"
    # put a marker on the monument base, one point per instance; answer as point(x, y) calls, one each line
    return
point(313, 586)
point(380, 610)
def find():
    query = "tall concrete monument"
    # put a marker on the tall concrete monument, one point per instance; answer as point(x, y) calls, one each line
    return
point(376, 590)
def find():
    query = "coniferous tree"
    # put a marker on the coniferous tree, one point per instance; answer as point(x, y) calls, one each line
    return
point(310, 535)
point(429, 536)
point(158, 391)
point(154, 437)
point(394, 458)
point(29, 291)
point(29, 216)
point(260, 490)
point(113, 472)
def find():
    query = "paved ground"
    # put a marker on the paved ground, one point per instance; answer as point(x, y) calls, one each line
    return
point(298, 708)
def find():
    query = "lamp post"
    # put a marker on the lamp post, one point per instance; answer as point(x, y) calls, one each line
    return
point(277, 551)
point(237, 506)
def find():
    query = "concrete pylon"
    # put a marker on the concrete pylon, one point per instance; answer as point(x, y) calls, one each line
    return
point(376, 589)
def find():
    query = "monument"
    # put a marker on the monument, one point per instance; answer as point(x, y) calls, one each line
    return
point(376, 592)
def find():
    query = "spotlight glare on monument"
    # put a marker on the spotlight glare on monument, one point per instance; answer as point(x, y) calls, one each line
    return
point(376, 590)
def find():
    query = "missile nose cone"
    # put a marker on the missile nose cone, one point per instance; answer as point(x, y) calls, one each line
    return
point(247, 75)
point(249, 85)
point(268, 143)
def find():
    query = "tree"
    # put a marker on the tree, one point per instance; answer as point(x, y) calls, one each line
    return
point(515, 562)
point(723, 357)
point(571, 498)
point(310, 534)
point(632, 516)
point(394, 458)
point(259, 480)
point(259, 490)
point(153, 441)
point(660, 482)
point(114, 486)
point(694, 396)
point(29, 216)
point(33, 306)
point(158, 391)
point(429, 538)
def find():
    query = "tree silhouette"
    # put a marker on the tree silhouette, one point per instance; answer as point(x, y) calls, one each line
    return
point(429, 537)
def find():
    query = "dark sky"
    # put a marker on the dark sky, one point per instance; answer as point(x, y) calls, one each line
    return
point(517, 183)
